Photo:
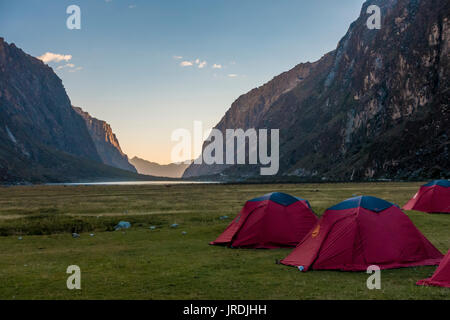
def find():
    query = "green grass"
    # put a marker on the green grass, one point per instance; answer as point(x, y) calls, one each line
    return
point(165, 264)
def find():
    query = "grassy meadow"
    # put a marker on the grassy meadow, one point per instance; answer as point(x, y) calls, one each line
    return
point(36, 245)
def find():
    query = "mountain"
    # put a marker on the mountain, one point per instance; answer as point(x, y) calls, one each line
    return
point(105, 142)
point(376, 107)
point(43, 139)
point(250, 109)
point(172, 170)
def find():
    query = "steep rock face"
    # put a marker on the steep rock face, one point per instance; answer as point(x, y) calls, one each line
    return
point(35, 108)
point(251, 109)
point(173, 170)
point(106, 142)
point(42, 139)
point(377, 109)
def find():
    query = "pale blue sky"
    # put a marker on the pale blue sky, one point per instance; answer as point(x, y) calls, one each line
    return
point(123, 68)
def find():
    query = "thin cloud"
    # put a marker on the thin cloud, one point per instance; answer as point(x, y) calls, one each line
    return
point(217, 66)
point(197, 62)
point(70, 67)
point(186, 64)
point(132, 6)
point(76, 69)
point(67, 65)
point(177, 57)
point(232, 75)
point(54, 57)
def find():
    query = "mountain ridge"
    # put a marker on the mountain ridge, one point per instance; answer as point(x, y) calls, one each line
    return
point(43, 138)
point(172, 170)
point(106, 142)
point(376, 109)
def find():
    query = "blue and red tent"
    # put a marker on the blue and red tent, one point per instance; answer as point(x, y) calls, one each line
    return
point(360, 232)
point(274, 220)
point(431, 197)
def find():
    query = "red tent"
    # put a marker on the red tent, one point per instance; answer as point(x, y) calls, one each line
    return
point(272, 221)
point(432, 197)
point(441, 278)
point(360, 232)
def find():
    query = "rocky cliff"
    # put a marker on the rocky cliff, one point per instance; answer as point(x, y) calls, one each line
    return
point(106, 142)
point(42, 137)
point(376, 107)
point(35, 108)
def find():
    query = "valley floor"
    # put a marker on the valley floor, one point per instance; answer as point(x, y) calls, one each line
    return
point(36, 223)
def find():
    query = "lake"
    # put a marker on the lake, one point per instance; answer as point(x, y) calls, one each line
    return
point(131, 183)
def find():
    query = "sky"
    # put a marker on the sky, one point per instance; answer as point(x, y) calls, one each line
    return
point(149, 67)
